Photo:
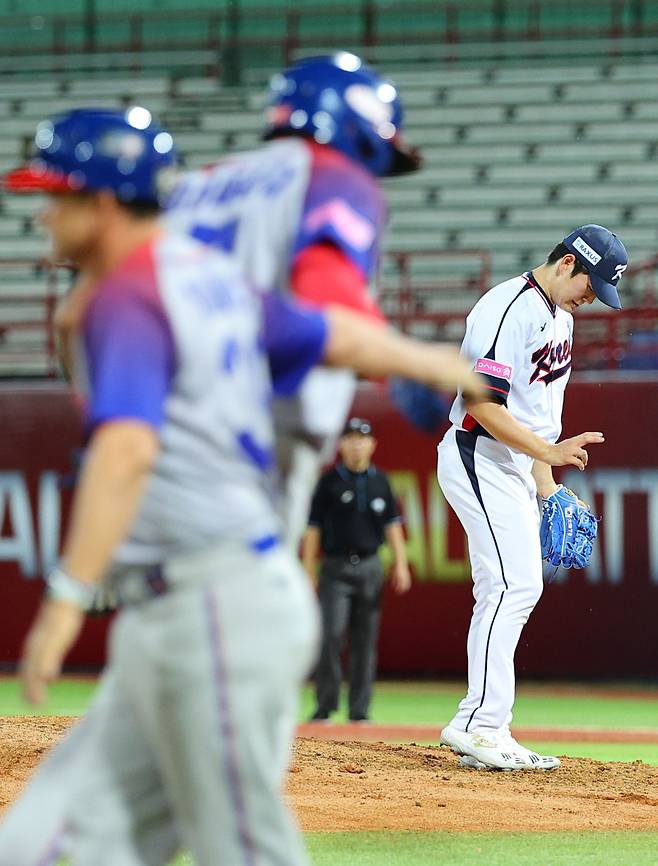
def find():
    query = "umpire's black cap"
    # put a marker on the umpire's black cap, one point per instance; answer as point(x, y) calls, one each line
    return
point(358, 425)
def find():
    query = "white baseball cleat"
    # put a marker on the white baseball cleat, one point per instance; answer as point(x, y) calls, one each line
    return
point(534, 760)
point(494, 749)
point(481, 750)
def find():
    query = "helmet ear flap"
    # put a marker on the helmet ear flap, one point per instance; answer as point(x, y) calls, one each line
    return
point(369, 155)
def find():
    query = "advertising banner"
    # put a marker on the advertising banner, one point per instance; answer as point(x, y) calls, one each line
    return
point(596, 622)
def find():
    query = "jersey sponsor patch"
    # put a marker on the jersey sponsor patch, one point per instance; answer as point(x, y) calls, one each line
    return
point(355, 229)
point(585, 250)
point(493, 368)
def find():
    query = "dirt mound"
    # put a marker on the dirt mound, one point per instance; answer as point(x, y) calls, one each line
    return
point(23, 742)
point(378, 786)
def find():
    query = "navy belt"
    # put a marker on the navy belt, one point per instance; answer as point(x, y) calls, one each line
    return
point(154, 580)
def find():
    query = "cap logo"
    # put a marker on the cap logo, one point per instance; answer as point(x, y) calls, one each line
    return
point(585, 250)
point(619, 270)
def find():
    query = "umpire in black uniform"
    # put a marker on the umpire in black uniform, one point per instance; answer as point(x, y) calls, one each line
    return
point(352, 512)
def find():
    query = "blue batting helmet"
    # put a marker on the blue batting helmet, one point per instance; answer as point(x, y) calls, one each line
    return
point(339, 101)
point(100, 149)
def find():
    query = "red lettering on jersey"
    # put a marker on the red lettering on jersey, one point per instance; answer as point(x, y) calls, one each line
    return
point(545, 360)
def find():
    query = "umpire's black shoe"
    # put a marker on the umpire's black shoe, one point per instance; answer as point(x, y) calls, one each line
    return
point(319, 716)
point(359, 719)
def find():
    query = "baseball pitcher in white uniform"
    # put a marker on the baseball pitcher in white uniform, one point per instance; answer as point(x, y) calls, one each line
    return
point(176, 357)
point(498, 455)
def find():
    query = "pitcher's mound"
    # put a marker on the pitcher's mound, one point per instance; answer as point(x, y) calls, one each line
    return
point(378, 786)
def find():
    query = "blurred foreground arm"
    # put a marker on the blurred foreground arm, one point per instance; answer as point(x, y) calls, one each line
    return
point(111, 485)
point(372, 350)
point(311, 552)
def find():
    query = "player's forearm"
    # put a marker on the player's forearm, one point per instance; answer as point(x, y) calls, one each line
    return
point(497, 420)
point(107, 497)
point(395, 540)
point(372, 350)
point(543, 475)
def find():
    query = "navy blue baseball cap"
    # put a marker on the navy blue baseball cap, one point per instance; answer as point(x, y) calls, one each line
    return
point(605, 257)
point(100, 149)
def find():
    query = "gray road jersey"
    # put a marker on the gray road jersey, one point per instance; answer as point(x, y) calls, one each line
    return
point(251, 204)
point(212, 478)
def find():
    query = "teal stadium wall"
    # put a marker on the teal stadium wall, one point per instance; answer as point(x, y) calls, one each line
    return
point(392, 21)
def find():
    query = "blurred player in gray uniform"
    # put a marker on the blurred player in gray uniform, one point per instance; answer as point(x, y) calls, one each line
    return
point(304, 215)
point(189, 735)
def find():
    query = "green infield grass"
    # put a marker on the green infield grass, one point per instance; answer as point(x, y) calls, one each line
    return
point(480, 849)
point(69, 696)
point(400, 703)
point(483, 849)
point(645, 752)
point(583, 705)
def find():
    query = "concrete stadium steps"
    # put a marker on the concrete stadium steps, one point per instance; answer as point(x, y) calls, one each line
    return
point(20, 205)
point(22, 246)
point(71, 64)
point(514, 153)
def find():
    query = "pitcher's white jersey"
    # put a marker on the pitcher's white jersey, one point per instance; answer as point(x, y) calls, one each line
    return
point(265, 207)
point(521, 343)
point(173, 338)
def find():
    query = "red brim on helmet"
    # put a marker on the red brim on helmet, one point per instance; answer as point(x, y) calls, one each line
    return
point(32, 178)
point(406, 158)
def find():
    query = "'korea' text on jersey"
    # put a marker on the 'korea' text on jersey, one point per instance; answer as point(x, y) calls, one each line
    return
point(521, 343)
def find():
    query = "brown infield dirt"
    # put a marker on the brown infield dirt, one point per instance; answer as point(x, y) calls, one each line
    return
point(356, 785)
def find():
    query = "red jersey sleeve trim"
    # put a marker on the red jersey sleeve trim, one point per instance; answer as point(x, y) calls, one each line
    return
point(323, 275)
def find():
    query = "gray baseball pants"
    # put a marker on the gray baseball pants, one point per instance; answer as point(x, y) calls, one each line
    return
point(187, 742)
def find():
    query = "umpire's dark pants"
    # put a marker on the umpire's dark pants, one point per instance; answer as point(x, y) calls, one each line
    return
point(350, 600)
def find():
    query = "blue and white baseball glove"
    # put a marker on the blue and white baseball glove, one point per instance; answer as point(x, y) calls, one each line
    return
point(421, 405)
point(567, 530)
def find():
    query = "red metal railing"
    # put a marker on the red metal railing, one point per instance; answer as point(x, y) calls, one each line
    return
point(605, 340)
point(27, 338)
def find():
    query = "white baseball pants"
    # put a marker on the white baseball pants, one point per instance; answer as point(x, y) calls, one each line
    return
point(498, 509)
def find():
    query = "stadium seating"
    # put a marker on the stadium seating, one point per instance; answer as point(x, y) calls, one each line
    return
point(517, 151)
point(505, 148)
